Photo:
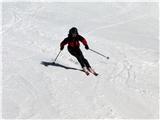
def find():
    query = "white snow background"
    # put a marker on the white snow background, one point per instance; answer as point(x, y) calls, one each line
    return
point(127, 85)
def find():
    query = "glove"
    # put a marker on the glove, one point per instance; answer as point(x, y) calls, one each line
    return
point(86, 47)
point(61, 48)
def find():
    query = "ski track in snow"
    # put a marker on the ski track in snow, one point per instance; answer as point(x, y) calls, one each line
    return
point(125, 88)
point(115, 24)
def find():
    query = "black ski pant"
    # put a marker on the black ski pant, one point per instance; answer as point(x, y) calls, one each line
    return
point(76, 52)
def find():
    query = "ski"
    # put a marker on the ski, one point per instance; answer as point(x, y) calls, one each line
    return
point(86, 71)
point(92, 71)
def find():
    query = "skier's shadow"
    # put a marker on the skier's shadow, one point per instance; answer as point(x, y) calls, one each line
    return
point(58, 65)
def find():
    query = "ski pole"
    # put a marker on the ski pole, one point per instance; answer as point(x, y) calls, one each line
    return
point(99, 53)
point(57, 56)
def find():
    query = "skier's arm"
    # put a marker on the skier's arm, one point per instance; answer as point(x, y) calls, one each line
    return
point(83, 40)
point(63, 43)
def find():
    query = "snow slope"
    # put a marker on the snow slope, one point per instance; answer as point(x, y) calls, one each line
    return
point(127, 86)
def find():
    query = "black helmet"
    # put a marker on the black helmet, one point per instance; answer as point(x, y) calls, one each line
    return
point(73, 30)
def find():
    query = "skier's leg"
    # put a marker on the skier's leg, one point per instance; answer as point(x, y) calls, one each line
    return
point(80, 60)
point(77, 53)
point(86, 62)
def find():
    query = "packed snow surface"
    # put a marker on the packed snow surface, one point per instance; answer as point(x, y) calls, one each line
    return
point(127, 85)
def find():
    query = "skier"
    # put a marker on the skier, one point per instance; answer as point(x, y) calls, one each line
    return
point(73, 47)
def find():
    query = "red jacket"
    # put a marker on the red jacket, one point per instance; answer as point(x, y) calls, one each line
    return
point(73, 42)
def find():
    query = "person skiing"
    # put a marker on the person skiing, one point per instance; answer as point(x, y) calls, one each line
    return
point(73, 40)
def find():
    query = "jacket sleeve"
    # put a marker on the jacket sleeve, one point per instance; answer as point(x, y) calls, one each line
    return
point(64, 42)
point(83, 40)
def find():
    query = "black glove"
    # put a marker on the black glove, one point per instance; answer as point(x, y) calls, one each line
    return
point(86, 46)
point(62, 47)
